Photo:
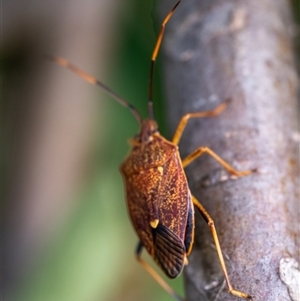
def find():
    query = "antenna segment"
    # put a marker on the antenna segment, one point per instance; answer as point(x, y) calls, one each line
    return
point(64, 63)
point(154, 56)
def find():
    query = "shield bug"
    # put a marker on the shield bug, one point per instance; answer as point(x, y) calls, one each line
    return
point(159, 201)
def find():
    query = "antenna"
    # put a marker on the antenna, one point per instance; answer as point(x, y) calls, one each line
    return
point(154, 56)
point(66, 64)
point(89, 78)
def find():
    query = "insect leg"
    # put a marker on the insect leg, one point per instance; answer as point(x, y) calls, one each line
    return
point(210, 223)
point(201, 150)
point(154, 274)
point(183, 122)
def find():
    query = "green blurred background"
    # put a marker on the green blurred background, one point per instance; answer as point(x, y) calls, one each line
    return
point(66, 233)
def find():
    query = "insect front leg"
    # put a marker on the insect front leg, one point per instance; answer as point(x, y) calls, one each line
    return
point(201, 150)
point(184, 120)
point(154, 274)
point(210, 223)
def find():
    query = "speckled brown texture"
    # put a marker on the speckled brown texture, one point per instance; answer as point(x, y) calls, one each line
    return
point(157, 189)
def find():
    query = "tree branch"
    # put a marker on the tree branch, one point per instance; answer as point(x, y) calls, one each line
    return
point(214, 50)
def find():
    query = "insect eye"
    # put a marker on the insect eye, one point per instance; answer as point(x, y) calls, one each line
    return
point(154, 132)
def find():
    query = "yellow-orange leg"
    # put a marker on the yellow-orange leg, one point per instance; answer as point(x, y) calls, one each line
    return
point(210, 223)
point(154, 274)
point(182, 124)
point(201, 150)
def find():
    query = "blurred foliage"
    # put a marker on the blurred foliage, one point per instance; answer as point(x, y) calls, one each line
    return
point(93, 256)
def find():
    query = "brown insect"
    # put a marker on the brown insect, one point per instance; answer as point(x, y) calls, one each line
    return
point(160, 204)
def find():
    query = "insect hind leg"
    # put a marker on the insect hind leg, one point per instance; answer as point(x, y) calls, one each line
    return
point(154, 274)
point(211, 224)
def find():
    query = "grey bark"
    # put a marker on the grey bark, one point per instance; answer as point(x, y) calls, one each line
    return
point(214, 50)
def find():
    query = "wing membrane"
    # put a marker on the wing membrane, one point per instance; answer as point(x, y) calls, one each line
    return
point(169, 251)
